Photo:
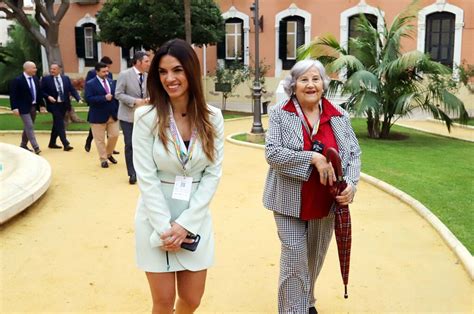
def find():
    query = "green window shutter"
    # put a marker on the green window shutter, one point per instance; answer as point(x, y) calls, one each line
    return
point(221, 49)
point(80, 49)
point(300, 33)
point(282, 44)
point(242, 41)
point(96, 43)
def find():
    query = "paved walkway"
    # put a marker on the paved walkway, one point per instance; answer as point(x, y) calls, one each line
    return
point(73, 250)
point(435, 127)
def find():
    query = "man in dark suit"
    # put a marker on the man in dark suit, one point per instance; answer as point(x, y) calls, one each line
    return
point(57, 90)
point(90, 75)
point(103, 109)
point(25, 100)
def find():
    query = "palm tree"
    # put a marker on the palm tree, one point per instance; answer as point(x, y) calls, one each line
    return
point(383, 82)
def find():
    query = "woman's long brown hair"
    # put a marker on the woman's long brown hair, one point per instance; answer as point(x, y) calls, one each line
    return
point(198, 111)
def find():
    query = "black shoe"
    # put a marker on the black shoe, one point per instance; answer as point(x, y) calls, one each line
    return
point(312, 310)
point(132, 179)
point(104, 164)
point(112, 159)
point(115, 152)
point(25, 147)
point(37, 151)
point(68, 148)
point(87, 147)
point(55, 146)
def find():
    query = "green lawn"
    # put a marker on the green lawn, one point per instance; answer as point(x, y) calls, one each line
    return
point(437, 171)
point(45, 121)
point(243, 137)
point(469, 122)
point(4, 102)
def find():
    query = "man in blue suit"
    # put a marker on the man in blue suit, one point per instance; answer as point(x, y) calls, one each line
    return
point(57, 90)
point(25, 100)
point(103, 109)
point(91, 74)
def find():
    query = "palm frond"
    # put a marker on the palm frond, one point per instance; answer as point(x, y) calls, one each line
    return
point(348, 62)
point(335, 88)
point(401, 27)
point(407, 62)
point(406, 103)
point(452, 104)
point(433, 67)
point(438, 113)
point(363, 101)
point(363, 80)
point(325, 46)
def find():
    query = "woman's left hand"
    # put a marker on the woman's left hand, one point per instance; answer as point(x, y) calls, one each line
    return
point(173, 237)
point(346, 196)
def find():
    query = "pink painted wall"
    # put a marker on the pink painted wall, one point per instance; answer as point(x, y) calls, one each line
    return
point(325, 19)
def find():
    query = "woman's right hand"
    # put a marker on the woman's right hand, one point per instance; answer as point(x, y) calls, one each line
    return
point(325, 169)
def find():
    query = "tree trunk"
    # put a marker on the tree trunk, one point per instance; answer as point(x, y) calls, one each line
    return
point(53, 51)
point(47, 18)
point(187, 20)
point(373, 124)
point(386, 125)
point(53, 54)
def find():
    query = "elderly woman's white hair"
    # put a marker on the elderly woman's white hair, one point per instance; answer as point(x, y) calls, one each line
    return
point(300, 68)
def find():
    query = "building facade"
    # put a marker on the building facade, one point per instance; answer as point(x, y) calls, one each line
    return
point(444, 28)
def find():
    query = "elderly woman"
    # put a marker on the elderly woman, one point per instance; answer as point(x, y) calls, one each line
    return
point(297, 185)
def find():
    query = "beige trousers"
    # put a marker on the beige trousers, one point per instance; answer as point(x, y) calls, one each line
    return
point(99, 132)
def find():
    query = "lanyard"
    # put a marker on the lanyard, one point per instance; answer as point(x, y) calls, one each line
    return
point(300, 113)
point(184, 154)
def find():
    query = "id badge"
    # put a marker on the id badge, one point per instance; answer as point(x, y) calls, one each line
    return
point(182, 188)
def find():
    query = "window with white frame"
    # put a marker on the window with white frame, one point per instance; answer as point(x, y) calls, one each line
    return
point(291, 36)
point(233, 41)
point(89, 42)
point(439, 42)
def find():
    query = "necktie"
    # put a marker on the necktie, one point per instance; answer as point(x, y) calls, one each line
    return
point(106, 87)
point(60, 89)
point(141, 83)
point(32, 90)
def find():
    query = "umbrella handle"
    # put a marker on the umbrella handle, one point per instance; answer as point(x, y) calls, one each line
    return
point(333, 156)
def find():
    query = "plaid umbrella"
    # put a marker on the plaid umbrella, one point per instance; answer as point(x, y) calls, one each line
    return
point(342, 222)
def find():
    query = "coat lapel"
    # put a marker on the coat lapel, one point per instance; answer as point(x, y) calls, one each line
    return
point(337, 124)
point(290, 121)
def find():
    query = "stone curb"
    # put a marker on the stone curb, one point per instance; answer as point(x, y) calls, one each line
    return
point(21, 185)
point(453, 243)
point(230, 139)
point(434, 133)
point(463, 126)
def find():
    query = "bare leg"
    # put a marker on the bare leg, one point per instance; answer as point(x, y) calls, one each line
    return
point(191, 286)
point(162, 287)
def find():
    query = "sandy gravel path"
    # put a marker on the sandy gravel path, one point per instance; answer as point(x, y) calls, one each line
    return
point(73, 250)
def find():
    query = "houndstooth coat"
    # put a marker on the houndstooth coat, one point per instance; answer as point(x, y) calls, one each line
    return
point(290, 165)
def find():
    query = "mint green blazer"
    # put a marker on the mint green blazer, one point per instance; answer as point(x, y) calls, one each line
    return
point(155, 165)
